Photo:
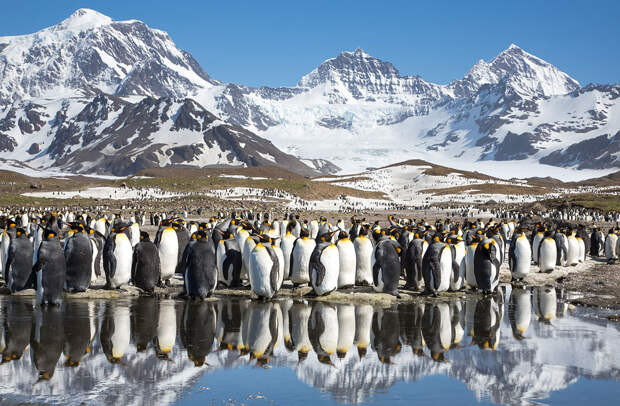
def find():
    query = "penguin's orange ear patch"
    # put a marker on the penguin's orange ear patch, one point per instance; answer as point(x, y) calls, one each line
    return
point(399, 250)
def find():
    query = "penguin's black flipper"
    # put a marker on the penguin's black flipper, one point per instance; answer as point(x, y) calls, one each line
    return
point(135, 262)
point(109, 260)
point(9, 261)
point(292, 259)
point(455, 266)
point(275, 269)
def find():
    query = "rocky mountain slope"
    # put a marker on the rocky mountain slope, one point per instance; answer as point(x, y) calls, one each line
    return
point(352, 112)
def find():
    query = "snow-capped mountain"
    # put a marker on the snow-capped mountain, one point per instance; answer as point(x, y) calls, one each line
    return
point(352, 112)
point(88, 52)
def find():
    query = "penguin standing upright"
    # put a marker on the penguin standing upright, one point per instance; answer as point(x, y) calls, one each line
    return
point(182, 239)
point(265, 269)
point(167, 244)
point(363, 258)
point(386, 266)
point(547, 253)
point(572, 258)
point(78, 257)
point(19, 263)
point(437, 267)
point(413, 262)
point(561, 245)
point(536, 240)
point(287, 243)
point(597, 243)
point(486, 266)
point(470, 277)
point(229, 262)
point(145, 266)
point(519, 255)
point(117, 257)
point(50, 269)
point(457, 246)
point(346, 252)
point(300, 259)
point(611, 242)
point(201, 269)
point(324, 266)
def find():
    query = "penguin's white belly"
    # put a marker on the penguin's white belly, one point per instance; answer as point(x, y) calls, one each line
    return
point(523, 258)
point(248, 247)
point(363, 260)
point(548, 255)
point(220, 257)
point(572, 258)
point(168, 254)
point(120, 337)
point(582, 250)
point(331, 261)
point(346, 252)
point(301, 261)
point(459, 258)
point(260, 272)
point(135, 234)
point(93, 275)
point(346, 327)
point(124, 255)
point(280, 255)
point(287, 249)
point(445, 270)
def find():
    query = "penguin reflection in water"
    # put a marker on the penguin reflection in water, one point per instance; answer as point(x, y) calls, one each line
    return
point(198, 330)
point(17, 326)
point(437, 329)
point(262, 332)
point(46, 340)
point(386, 332)
point(79, 331)
point(323, 331)
point(487, 321)
point(144, 317)
point(115, 328)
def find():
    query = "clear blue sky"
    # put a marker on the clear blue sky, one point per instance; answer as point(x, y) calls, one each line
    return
point(274, 43)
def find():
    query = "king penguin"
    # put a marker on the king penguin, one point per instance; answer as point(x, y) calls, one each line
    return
point(363, 258)
point(346, 252)
point(79, 258)
point(300, 259)
point(50, 269)
point(324, 266)
point(386, 266)
point(145, 268)
point(200, 274)
point(547, 253)
point(19, 263)
point(437, 267)
point(265, 269)
point(519, 255)
point(486, 266)
point(117, 257)
point(167, 244)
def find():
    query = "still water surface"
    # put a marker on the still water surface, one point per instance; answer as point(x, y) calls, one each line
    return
point(521, 347)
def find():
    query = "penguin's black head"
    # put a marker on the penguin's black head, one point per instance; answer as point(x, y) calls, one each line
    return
point(342, 235)
point(264, 238)
point(144, 236)
point(290, 226)
point(364, 231)
point(49, 234)
point(304, 233)
point(20, 232)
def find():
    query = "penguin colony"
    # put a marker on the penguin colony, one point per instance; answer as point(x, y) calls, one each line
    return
point(255, 329)
point(56, 252)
